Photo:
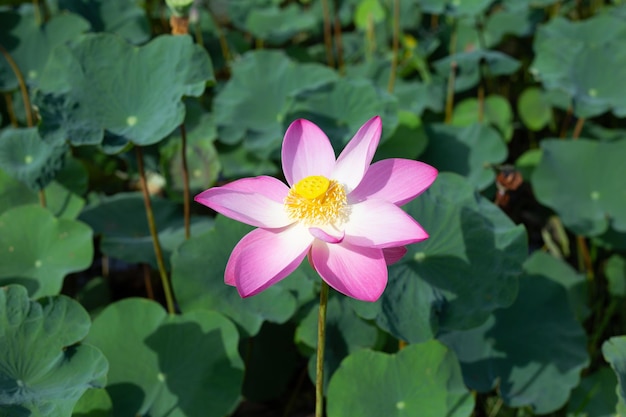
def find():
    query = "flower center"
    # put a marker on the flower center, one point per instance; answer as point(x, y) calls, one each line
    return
point(317, 201)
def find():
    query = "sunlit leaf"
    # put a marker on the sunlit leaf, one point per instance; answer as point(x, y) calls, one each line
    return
point(99, 90)
point(168, 365)
point(420, 380)
point(38, 250)
point(43, 368)
point(577, 179)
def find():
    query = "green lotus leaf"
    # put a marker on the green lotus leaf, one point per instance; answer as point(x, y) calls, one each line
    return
point(198, 279)
point(534, 108)
point(167, 365)
point(450, 281)
point(264, 104)
point(59, 200)
point(577, 179)
point(573, 57)
point(98, 90)
point(345, 334)
point(455, 7)
point(614, 351)
point(615, 271)
point(43, 368)
point(121, 221)
point(30, 43)
point(470, 151)
point(38, 250)
point(536, 348)
point(409, 140)
point(123, 17)
point(468, 66)
point(26, 157)
point(420, 380)
point(595, 396)
point(279, 24)
point(344, 106)
point(496, 111)
point(94, 403)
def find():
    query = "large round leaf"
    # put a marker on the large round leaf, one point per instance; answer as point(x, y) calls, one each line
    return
point(30, 44)
point(470, 151)
point(29, 159)
point(198, 279)
point(123, 17)
point(614, 351)
point(536, 348)
point(37, 250)
point(165, 365)
point(59, 200)
point(121, 221)
point(43, 369)
point(595, 396)
point(495, 110)
point(342, 108)
point(466, 269)
point(574, 57)
point(101, 88)
point(264, 102)
point(421, 380)
point(579, 181)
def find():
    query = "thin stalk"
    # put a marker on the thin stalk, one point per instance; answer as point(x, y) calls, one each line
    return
point(565, 124)
point(147, 281)
point(451, 79)
point(9, 103)
point(395, 42)
point(42, 198)
point(328, 41)
point(169, 299)
point(337, 27)
point(220, 36)
point(22, 84)
point(481, 102)
point(321, 343)
point(578, 128)
point(37, 12)
point(186, 193)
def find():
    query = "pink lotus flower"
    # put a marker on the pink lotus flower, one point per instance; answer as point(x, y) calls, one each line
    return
point(342, 213)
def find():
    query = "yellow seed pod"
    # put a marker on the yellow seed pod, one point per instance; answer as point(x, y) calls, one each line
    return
point(312, 187)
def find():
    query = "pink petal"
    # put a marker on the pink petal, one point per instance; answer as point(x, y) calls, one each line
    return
point(257, 208)
point(357, 155)
point(395, 180)
point(380, 224)
point(306, 151)
point(328, 235)
point(264, 257)
point(357, 272)
point(393, 255)
point(270, 187)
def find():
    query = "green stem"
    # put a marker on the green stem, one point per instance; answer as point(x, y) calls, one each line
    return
point(321, 343)
point(22, 84)
point(186, 193)
point(328, 37)
point(169, 299)
point(396, 35)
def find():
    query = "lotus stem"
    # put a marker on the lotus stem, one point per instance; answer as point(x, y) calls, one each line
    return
point(169, 299)
point(186, 193)
point(396, 35)
point(321, 343)
point(22, 84)
point(328, 41)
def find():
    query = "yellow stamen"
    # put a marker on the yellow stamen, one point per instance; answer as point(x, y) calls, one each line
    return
point(317, 201)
